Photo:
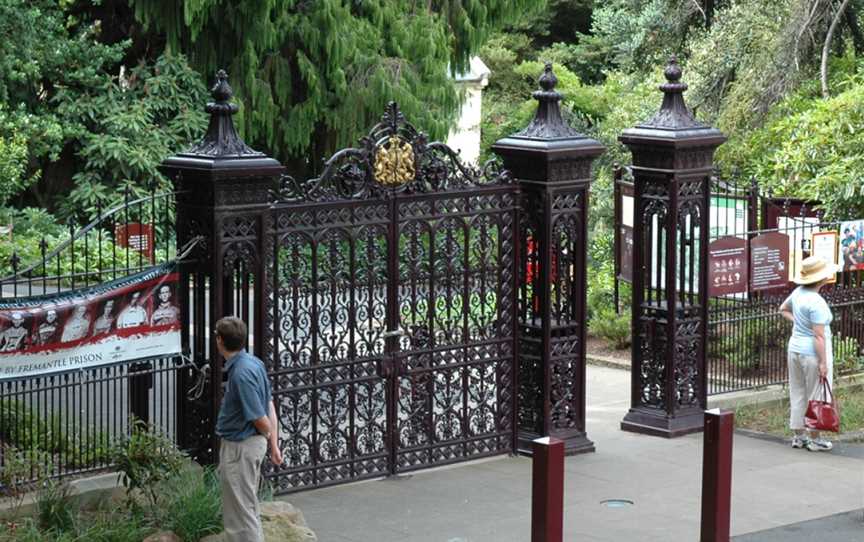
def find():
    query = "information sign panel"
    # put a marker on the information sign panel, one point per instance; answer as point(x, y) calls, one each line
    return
point(727, 266)
point(137, 237)
point(769, 261)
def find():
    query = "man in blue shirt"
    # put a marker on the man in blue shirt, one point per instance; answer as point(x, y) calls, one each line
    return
point(247, 424)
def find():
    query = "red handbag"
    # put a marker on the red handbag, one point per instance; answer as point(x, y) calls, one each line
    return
point(823, 414)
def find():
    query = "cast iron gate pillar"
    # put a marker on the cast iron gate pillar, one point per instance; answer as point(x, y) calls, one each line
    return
point(553, 165)
point(673, 157)
point(224, 194)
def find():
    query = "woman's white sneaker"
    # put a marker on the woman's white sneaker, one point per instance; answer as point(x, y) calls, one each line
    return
point(799, 442)
point(819, 445)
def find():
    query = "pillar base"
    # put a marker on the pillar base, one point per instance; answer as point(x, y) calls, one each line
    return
point(659, 424)
point(574, 443)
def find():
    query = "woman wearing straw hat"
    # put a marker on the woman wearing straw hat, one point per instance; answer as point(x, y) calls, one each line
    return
point(810, 352)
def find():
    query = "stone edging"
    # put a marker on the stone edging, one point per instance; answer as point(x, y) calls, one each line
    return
point(604, 361)
point(772, 394)
point(87, 491)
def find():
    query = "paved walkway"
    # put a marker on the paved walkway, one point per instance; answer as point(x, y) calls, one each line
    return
point(490, 501)
point(845, 527)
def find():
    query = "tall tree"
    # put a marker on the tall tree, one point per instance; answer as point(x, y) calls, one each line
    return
point(313, 75)
point(93, 113)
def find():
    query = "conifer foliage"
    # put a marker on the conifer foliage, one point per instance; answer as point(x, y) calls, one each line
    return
point(314, 74)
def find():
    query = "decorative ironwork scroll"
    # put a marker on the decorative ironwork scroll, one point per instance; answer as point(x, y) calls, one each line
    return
point(393, 157)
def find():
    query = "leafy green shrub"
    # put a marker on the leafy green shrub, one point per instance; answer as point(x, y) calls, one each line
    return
point(110, 526)
point(744, 344)
point(601, 278)
point(113, 524)
point(191, 504)
point(85, 447)
point(145, 459)
point(847, 354)
point(31, 226)
point(55, 508)
point(20, 469)
point(736, 350)
point(25, 429)
point(613, 327)
point(27, 531)
point(265, 490)
point(810, 148)
point(13, 165)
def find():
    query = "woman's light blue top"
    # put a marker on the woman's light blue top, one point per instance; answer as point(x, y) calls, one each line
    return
point(809, 309)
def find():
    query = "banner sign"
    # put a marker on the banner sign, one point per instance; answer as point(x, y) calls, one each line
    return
point(727, 266)
point(769, 261)
point(852, 244)
point(129, 319)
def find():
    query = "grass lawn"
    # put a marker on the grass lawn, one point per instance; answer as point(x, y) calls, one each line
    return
point(774, 419)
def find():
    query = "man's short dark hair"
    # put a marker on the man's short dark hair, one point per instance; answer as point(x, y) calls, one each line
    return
point(233, 332)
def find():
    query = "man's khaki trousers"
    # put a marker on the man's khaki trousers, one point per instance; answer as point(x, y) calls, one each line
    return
point(239, 469)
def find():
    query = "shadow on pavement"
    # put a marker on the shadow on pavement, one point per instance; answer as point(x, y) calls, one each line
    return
point(846, 527)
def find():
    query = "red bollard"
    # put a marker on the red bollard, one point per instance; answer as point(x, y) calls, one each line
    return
point(717, 475)
point(547, 490)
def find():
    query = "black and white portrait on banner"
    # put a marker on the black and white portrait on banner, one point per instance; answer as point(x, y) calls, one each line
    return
point(126, 320)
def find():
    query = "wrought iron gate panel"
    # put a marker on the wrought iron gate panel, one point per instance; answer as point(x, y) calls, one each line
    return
point(331, 281)
point(392, 316)
point(455, 301)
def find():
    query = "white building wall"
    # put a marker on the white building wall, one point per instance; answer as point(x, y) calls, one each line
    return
point(464, 137)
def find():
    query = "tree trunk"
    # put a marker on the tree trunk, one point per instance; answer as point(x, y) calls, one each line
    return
point(854, 29)
point(709, 13)
point(826, 48)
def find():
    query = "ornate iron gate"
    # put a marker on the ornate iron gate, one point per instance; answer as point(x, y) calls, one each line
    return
point(393, 332)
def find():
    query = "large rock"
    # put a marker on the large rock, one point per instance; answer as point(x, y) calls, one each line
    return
point(275, 510)
point(282, 523)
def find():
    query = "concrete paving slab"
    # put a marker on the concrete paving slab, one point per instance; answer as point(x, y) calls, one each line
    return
point(490, 501)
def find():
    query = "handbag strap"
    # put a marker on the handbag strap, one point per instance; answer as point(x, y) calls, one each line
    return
point(826, 390)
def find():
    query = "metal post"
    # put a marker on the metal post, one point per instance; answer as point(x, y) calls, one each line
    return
point(673, 155)
point(547, 490)
point(552, 163)
point(223, 198)
point(717, 475)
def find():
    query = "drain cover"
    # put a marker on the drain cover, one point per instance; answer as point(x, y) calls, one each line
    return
point(616, 503)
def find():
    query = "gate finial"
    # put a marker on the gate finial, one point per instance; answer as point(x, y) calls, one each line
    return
point(673, 114)
point(548, 122)
point(221, 139)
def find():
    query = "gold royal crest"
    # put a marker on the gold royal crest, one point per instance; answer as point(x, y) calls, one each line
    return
point(394, 162)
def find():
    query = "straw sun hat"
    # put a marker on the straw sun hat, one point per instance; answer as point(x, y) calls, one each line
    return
point(814, 269)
